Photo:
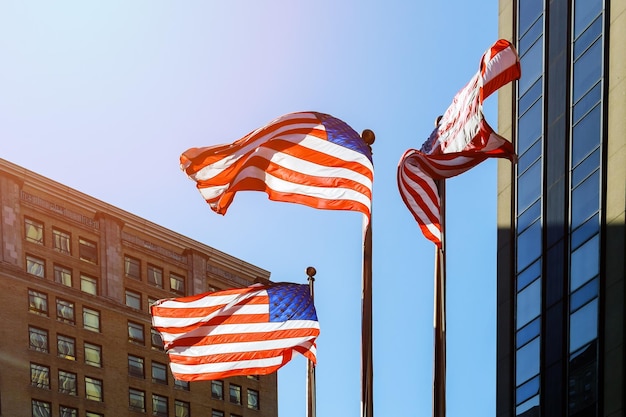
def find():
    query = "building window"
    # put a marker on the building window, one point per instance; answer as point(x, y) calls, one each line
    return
point(159, 405)
point(92, 414)
point(39, 376)
point(135, 333)
point(177, 284)
point(38, 302)
point(217, 390)
point(67, 411)
point(137, 400)
point(88, 284)
point(38, 339)
point(235, 394)
point(181, 409)
point(93, 389)
point(155, 276)
point(159, 373)
point(66, 347)
point(253, 399)
point(135, 366)
point(67, 383)
point(61, 241)
point(63, 275)
point(93, 355)
point(41, 408)
point(156, 340)
point(33, 230)
point(91, 319)
point(132, 267)
point(133, 299)
point(184, 385)
point(87, 251)
point(35, 266)
point(217, 413)
point(65, 311)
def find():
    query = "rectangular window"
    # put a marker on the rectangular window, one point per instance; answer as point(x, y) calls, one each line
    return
point(159, 405)
point(156, 340)
point(177, 284)
point(40, 376)
point(92, 414)
point(61, 241)
point(181, 408)
point(132, 267)
point(159, 373)
point(133, 299)
point(38, 302)
point(67, 411)
point(65, 311)
point(217, 390)
point(33, 230)
point(87, 251)
point(217, 413)
point(93, 389)
point(135, 333)
point(38, 339)
point(235, 394)
point(184, 385)
point(88, 284)
point(35, 266)
point(135, 366)
point(41, 408)
point(253, 399)
point(155, 276)
point(137, 400)
point(93, 355)
point(91, 319)
point(67, 383)
point(63, 275)
point(66, 347)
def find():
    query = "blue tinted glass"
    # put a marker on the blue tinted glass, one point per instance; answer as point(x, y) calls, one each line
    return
point(585, 263)
point(528, 304)
point(587, 70)
point(584, 12)
point(524, 409)
point(529, 127)
point(531, 36)
point(585, 231)
point(529, 11)
point(528, 245)
point(527, 362)
point(532, 63)
point(586, 167)
point(584, 294)
point(583, 326)
point(528, 275)
point(586, 136)
point(587, 38)
point(587, 102)
point(529, 187)
point(528, 333)
point(531, 96)
point(529, 216)
point(527, 390)
point(585, 199)
point(529, 157)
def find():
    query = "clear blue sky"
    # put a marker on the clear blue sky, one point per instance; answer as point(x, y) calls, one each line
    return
point(103, 96)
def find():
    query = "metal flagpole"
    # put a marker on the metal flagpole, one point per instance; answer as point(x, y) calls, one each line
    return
point(439, 379)
point(311, 395)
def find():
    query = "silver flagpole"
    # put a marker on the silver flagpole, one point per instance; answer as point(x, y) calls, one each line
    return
point(311, 400)
point(439, 379)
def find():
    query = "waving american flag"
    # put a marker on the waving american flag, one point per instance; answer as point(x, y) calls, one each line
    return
point(461, 140)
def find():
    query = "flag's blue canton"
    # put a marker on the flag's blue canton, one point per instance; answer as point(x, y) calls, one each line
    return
point(427, 146)
point(290, 302)
point(340, 133)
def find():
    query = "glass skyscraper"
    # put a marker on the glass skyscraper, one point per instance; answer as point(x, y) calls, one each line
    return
point(561, 211)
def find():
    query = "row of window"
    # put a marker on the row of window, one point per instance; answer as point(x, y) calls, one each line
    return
point(44, 409)
point(66, 346)
point(67, 382)
point(65, 310)
point(132, 269)
point(63, 275)
point(136, 402)
point(61, 240)
point(234, 391)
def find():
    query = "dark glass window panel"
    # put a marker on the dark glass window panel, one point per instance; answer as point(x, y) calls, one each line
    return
point(586, 167)
point(87, 251)
point(133, 299)
point(585, 199)
point(587, 102)
point(38, 302)
point(135, 333)
point(528, 304)
point(529, 127)
point(156, 340)
point(584, 232)
point(585, 263)
point(253, 399)
point(67, 383)
point(527, 159)
point(583, 382)
point(529, 187)
point(159, 406)
point(527, 362)
point(587, 70)
point(528, 275)
point(235, 394)
point(217, 390)
point(184, 385)
point(529, 216)
point(528, 332)
point(586, 136)
point(159, 373)
point(132, 267)
point(529, 245)
point(155, 276)
point(135, 366)
point(66, 347)
point(583, 326)
point(532, 62)
point(589, 36)
point(63, 275)
point(38, 339)
point(181, 408)
point(40, 376)
point(41, 408)
point(93, 355)
point(535, 31)
point(584, 294)
point(65, 311)
point(528, 409)
point(530, 97)
point(584, 13)
point(530, 11)
point(136, 400)
point(527, 390)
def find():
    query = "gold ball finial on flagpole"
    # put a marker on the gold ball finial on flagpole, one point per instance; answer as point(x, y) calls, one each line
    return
point(368, 136)
point(310, 271)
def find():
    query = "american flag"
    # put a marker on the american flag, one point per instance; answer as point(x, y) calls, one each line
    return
point(243, 331)
point(461, 140)
point(306, 157)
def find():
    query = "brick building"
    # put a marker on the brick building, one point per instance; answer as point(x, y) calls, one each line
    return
point(77, 277)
